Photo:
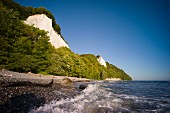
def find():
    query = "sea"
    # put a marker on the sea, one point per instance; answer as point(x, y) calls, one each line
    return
point(115, 97)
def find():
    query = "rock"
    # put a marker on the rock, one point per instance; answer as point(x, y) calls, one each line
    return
point(83, 86)
point(21, 103)
point(101, 61)
point(42, 22)
point(66, 82)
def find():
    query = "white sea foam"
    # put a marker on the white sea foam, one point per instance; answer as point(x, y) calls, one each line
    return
point(91, 98)
point(103, 97)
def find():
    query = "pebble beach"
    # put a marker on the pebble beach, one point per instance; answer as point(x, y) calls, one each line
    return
point(21, 92)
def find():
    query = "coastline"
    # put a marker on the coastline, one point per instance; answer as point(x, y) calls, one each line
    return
point(21, 92)
point(29, 75)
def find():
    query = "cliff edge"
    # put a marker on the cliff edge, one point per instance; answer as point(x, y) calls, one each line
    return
point(42, 22)
point(101, 61)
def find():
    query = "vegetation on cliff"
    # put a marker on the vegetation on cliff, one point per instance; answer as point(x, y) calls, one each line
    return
point(25, 12)
point(24, 48)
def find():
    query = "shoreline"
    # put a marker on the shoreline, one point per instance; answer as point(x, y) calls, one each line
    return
point(21, 92)
point(12, 74)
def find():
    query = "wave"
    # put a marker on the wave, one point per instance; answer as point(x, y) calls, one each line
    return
point(97, 98)
point(90, 98)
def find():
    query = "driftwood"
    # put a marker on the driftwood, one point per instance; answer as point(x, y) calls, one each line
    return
point(26, 83)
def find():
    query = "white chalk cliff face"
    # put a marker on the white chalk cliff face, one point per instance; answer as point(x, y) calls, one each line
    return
point(42, 22)
point(101, 61)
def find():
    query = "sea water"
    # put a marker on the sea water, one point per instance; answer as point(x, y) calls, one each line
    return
point(115, 97)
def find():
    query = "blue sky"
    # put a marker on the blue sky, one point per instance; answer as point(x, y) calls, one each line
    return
point(134, 35)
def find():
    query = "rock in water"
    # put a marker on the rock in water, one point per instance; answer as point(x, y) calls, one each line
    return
point(83, 86)
point(42, 22)
point(66, 82)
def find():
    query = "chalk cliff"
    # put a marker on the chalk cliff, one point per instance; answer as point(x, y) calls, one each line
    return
point(31, 55)
point(101, 61)
point(42, 22)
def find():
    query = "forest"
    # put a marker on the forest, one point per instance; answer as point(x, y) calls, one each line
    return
point(25, 48)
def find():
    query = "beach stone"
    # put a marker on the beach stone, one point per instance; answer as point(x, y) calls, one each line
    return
point(66, 82)
point(83, 86)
